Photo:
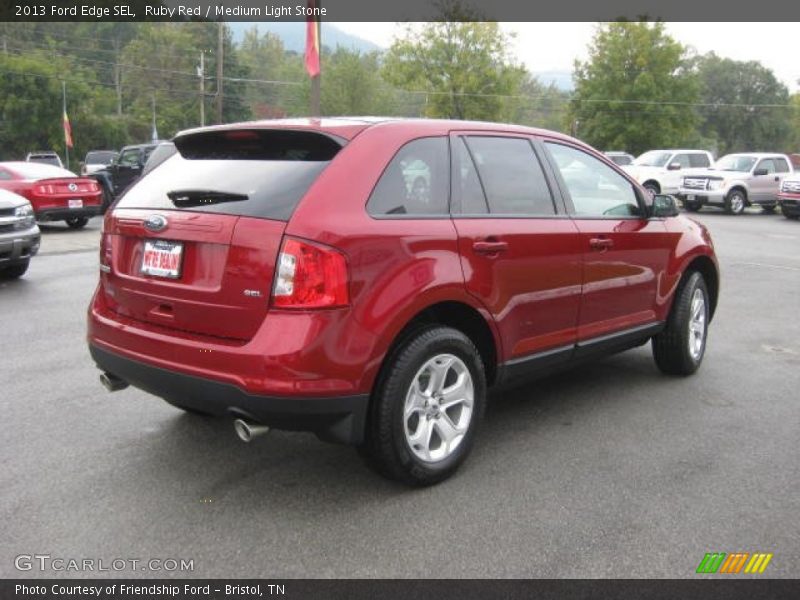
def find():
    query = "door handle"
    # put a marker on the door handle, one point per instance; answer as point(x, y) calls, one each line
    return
point(601, 243)
point(489, 247)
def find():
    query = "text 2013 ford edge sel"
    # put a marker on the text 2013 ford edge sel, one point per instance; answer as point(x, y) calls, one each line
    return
point(367, 280)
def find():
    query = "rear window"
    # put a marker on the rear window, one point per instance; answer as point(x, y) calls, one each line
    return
point(100, 157)
point(251, 173)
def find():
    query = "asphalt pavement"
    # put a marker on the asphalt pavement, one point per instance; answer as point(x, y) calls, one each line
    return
point(609, 470)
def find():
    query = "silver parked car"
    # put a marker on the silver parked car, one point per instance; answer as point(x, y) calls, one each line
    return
point(19, 235)
point(737, 181)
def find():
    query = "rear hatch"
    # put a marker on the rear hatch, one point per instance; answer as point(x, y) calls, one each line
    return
point(192, 246)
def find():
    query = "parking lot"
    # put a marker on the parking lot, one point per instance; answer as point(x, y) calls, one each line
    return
point(609, 470)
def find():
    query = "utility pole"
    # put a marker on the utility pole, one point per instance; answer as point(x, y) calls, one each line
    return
point(220, 59)
point(117, 77)
point(154, 135)
point(201, 73)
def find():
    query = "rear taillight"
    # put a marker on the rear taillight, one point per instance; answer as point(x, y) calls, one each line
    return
point(43, 189)
point(309, 276)
point(93, 187)
point(105, 253)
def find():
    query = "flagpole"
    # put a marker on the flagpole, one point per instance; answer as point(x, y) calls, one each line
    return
point(64, 112)
point(315, 81)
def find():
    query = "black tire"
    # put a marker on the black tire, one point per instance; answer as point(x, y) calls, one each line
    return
point(108, 199)
point(15, 271)
point(386, 448)
point(671, 346)
point(692, 206)
point(652, 188)
point(768, 208)
point(791, 217)
point(735, 202)
point(77, 222)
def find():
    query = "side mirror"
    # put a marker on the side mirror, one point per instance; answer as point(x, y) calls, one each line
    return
point(759, 172)
point(664, 206)
point(676, 166)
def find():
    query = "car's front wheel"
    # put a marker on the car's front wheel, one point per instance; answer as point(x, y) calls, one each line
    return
point(426, 407)
point(680, 347)
point(77, 222)
point(735, 202)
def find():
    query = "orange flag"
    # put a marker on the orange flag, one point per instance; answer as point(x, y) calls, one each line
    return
point(312, 43)
point(67, 131)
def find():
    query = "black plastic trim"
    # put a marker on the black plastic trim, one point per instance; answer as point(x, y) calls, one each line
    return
point(335, 419)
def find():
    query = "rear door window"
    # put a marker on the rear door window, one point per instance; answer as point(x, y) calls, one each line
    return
point(699, 160)
point(415, 182)
point(251, 173)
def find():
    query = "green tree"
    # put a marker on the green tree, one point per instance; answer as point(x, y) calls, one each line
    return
point(352, 84)
point(538, 105)
point(794, 141)
point(464, 69)
point(758, 120)
point(635, 90)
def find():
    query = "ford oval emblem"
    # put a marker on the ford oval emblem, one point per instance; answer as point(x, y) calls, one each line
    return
point(155, 222)
point(73, 187)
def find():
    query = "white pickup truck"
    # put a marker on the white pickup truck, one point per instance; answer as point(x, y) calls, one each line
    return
point(661, 171)
point(737, 181)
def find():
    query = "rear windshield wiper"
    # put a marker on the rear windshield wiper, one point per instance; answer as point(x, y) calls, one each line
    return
point(189, 198)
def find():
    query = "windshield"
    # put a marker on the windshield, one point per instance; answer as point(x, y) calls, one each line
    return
point(654, 158)
point(100, 157)
point(735, 162)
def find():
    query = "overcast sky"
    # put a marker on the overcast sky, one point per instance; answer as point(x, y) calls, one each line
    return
point(554, 46)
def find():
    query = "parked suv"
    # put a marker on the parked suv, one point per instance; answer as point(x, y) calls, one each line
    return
point(737, 181)
point(122, 172)
point(285, 273)
point(661, 171)
point(19, 235)
point(789, 197)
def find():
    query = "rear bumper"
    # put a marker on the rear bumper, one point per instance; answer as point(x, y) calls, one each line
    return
point(19, 247)
point(62, 214)
point(337, 419)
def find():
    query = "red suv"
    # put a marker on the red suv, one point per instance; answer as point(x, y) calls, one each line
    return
point(367, 280)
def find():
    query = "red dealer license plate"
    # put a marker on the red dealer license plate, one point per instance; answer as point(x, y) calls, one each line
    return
point(162, 258)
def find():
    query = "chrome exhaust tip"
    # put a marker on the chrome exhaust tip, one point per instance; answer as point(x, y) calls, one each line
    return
point(247, 431)
point(112, 383)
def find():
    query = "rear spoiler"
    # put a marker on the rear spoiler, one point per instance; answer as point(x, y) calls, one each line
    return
point(258, 144)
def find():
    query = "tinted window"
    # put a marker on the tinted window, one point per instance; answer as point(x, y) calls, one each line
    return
point(468, 191)
point(595, 188)
point(100, 157)
point(767, 164)
point(511, 175)
point(782, 165)
point(415, 182)
point(699, 161)
point(129, 158)
point(233, 174)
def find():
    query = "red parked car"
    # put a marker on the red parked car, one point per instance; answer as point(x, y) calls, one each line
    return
point(295, 274)
point(55, 193)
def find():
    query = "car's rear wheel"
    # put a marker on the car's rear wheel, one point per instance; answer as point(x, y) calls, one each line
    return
point(15, 271)
point(735, 202)
point(77, 222)
point(426, 407)
point(679, 349)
